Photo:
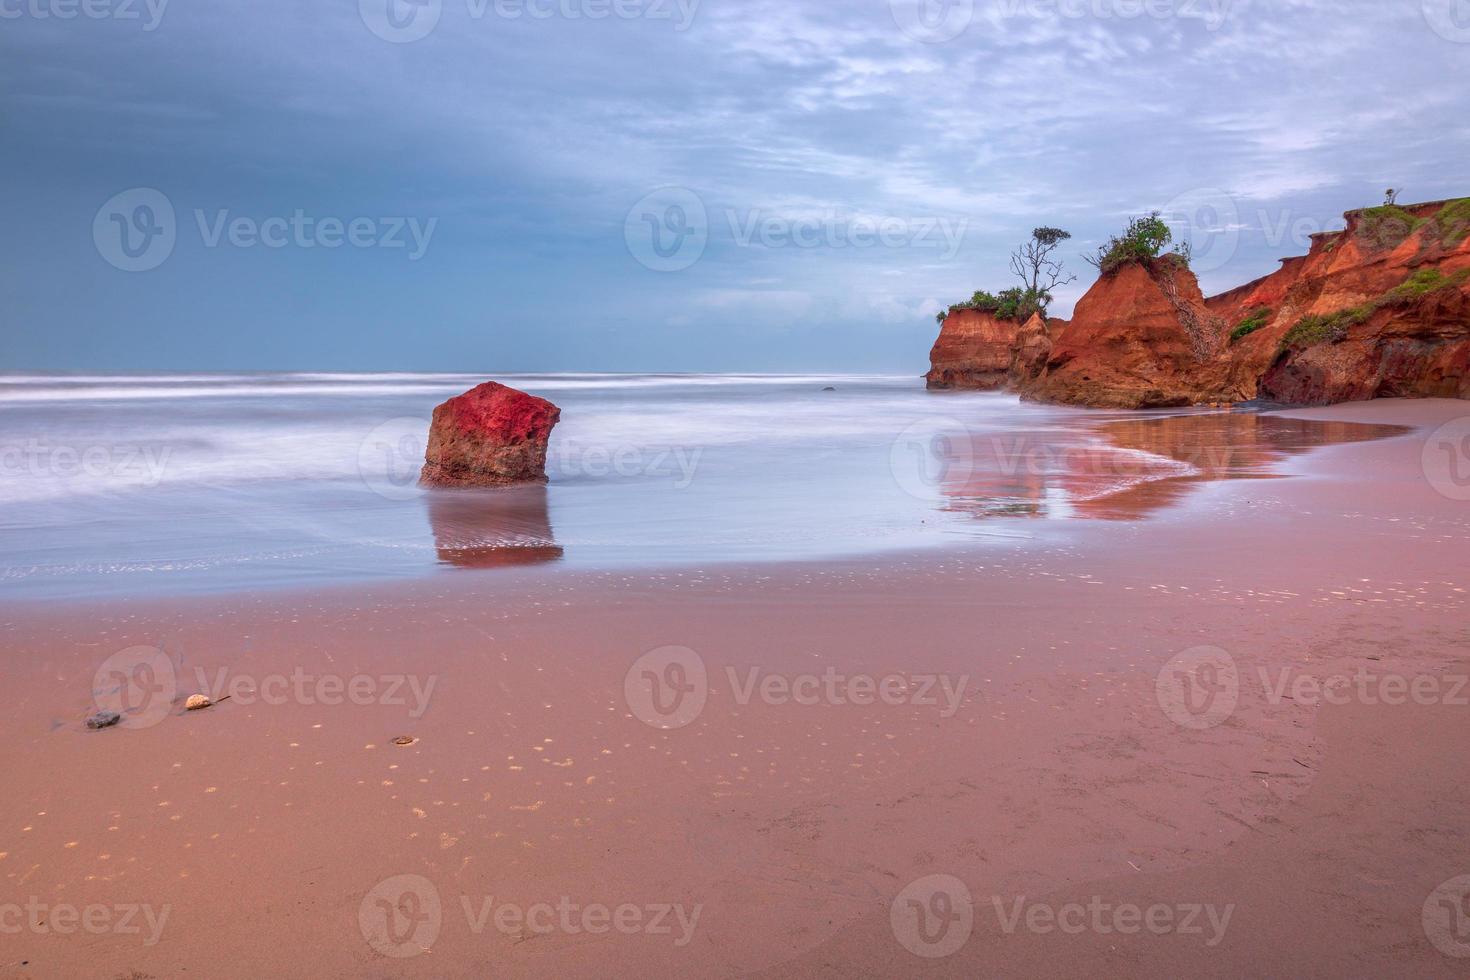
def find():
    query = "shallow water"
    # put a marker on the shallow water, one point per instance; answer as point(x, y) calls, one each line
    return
point(178, 483)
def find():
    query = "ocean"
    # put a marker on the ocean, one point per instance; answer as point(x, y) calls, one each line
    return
point(163, 484)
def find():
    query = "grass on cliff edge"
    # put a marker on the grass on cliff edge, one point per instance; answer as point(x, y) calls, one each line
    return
point(1332, 327)
point(1389, 226)
point(1454, 221)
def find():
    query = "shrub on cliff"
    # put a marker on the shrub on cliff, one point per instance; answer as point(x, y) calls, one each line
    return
point(1010, 304)
point(1142, 241)
point(1257, 319)
point(1333, 327)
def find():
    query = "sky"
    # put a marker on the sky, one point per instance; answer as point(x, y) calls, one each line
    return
point(664, 185)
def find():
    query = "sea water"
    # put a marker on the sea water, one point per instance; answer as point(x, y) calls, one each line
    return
point(164, 484)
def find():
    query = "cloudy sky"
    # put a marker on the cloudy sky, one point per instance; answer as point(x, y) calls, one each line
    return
point(523, 185)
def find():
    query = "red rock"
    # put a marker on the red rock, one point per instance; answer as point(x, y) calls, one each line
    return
point(973, 352)
point(1417, 349)
point(1141, 337)
point(1420, 351)
point(1032, 348)
point(491, 436)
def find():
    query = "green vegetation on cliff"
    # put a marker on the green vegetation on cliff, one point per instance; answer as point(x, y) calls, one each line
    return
point(1333, 327)
point(1454, 221)
point(1142, 241)
point(1257, 319)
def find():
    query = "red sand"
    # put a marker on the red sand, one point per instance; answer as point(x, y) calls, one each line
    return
point(260, 830)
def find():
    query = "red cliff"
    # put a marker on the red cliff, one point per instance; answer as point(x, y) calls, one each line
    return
point(973, 352)
point(1379, 309)
point(1141, 337)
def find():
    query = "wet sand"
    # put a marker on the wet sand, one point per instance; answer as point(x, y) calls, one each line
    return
point(771, 837)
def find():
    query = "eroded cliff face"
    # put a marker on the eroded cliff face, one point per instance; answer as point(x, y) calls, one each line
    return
point(1142, 337)
point(1032, 348)
point(1380, 309)
point(973, 352)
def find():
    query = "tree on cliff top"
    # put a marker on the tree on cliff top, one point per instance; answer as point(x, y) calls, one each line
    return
point(1039, 274)
point(1034, 266)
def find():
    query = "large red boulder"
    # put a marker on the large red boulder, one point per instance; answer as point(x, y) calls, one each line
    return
point(491, 436)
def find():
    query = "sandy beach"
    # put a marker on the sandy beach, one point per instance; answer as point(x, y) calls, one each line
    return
point(980, 751)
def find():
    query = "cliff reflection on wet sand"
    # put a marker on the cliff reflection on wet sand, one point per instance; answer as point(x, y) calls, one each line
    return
point(493, 528)
point(1133, 467)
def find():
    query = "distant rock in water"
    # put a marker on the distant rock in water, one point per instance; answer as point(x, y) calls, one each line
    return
point(491, 436)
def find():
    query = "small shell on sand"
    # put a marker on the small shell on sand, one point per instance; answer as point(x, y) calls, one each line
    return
point(197, 701)
point(404, 740)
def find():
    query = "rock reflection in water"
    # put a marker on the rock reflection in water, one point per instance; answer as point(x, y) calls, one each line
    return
point(1128, 468)
point(492, 528)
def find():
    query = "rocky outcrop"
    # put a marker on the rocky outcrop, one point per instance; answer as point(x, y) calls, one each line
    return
point(1414, 350)
point(1141, 337)
point(491, 436)
point(1379, 309)
point(1032, 348)
point(973, 352)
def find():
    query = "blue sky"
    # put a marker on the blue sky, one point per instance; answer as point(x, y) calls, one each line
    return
point(477, 184)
